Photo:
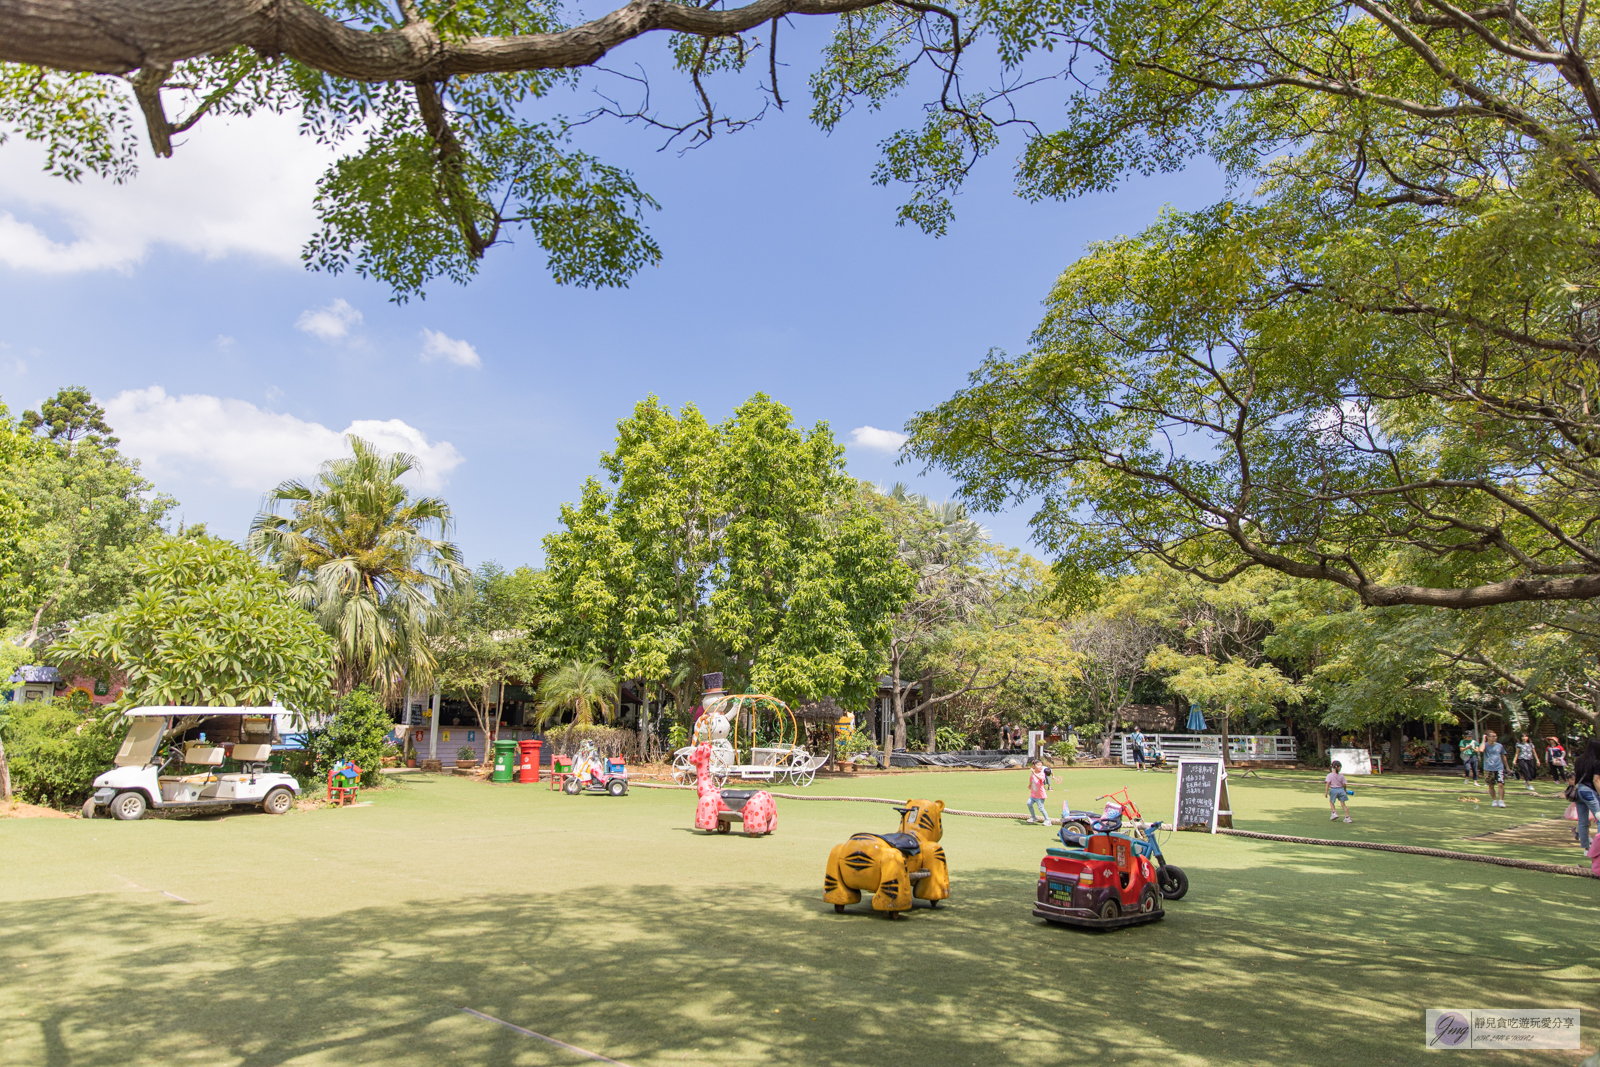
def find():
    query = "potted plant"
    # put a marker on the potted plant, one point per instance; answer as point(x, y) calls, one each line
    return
point(466, 759)
point(850, 745)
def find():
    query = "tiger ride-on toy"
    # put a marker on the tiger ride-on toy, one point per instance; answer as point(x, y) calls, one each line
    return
point(719, 809)
point(1101, 881)
point(591, 775)
point(897, 868)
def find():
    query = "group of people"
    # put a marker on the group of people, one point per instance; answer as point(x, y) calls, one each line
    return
point(1489, 757)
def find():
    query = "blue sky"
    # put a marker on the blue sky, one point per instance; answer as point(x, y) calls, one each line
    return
point(226, 366)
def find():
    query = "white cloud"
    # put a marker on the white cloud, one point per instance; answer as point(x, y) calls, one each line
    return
point(214, 438)
point(870, 437)
point(329, 323)
point(233, 186)
point(224, 342)
point(436, 345)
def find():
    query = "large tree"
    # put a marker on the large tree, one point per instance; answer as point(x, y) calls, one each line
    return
point(453, 148)
point(1375, 364)
point(80, 512)
point(738, 544)
point(207, 625)
point(369, 559)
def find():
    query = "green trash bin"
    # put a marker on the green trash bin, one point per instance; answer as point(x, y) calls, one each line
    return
point(505, 761)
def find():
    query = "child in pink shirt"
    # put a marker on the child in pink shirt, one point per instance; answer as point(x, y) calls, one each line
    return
point(1038, 789)
point(1338, 793)
point(1594, 849)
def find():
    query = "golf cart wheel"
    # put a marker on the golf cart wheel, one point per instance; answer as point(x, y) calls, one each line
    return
point(571, 787)
point(88, 808)
point(1076, 826)
point(838, 909)
point(617, 789)
point(1110, 910)
point(893, 915)
point(1149, 900)
point(724, 827)
point(277, 802)
point(128, 806)
point(1174, 883)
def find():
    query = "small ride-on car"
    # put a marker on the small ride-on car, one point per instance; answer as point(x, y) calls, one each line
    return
point(590, 774)
point(138, 779)
point(1099, 881)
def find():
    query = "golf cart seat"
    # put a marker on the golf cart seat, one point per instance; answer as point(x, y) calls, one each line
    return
point(906, 843)
point(244, 754)
point(736, 799)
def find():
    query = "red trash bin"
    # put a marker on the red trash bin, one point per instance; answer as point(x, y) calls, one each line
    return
point(528, 767)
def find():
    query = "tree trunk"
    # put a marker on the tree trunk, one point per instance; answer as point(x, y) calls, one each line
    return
point(1322, 743)
point(5, 773)
point(1397, 746)
point(928, 713)
point(1226, 759)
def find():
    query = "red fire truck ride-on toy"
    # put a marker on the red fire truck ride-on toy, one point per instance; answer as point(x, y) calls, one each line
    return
point(1102, 880)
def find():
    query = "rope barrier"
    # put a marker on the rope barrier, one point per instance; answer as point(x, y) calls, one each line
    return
point(1371, 783)
point(1417, 850)
point(861, 800)
point(1409, 850)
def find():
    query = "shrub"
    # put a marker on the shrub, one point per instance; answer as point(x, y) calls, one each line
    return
point(608, 740)
point(357, 732)
point(1066, 750)
point(678, 736)
point(853, 743)
point(56, 750)
point(949, 739)
point(464, 753)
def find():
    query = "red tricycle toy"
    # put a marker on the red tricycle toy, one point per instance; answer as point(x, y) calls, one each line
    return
point(1101, 880)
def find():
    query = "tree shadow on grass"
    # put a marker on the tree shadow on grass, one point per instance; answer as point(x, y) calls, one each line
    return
point(651, 974)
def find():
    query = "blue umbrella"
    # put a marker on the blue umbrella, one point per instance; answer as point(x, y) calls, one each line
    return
point(1197, 721)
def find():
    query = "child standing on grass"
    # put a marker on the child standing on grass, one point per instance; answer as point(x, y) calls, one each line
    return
point(1338, 793)
point(1038, 789)
point(1494, 768)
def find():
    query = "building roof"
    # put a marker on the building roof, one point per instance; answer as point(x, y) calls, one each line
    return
point(35, 674)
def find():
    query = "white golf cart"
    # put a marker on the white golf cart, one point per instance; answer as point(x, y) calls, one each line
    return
point(139, 778)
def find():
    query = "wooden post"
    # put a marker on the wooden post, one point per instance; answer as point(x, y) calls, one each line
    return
point(433, 727)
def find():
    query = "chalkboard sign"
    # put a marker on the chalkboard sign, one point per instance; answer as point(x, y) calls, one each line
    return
point(1202, 796)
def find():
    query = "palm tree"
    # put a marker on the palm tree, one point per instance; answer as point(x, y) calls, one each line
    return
point(578, 685)
point(356, 550)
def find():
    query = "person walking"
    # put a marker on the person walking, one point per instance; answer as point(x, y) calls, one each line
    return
point(1583, 791)
point(1038, 789)
point(1470, 750)
point(1137, 740)
point(1527, 762)
point(1556, 754)
point(1494, 768)
point(1338, 793)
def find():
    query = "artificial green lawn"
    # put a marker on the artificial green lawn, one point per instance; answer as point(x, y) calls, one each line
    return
point(357, 935)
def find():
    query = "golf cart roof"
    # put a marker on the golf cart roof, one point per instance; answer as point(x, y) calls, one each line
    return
point(155, 711)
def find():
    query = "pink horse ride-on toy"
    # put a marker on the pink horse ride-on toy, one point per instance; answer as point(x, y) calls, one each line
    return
point(719, 809)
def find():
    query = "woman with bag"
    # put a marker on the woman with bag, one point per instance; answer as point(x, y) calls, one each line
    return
point(1582, 791)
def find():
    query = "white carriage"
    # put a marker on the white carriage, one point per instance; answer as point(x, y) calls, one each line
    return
point(785, 760)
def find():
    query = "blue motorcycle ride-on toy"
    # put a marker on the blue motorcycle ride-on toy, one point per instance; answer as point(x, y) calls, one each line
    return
point(1079, 825)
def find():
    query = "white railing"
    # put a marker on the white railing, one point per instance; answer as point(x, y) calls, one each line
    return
point(1240, 746)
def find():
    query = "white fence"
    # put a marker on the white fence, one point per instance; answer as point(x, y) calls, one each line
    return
point(1240, 746)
